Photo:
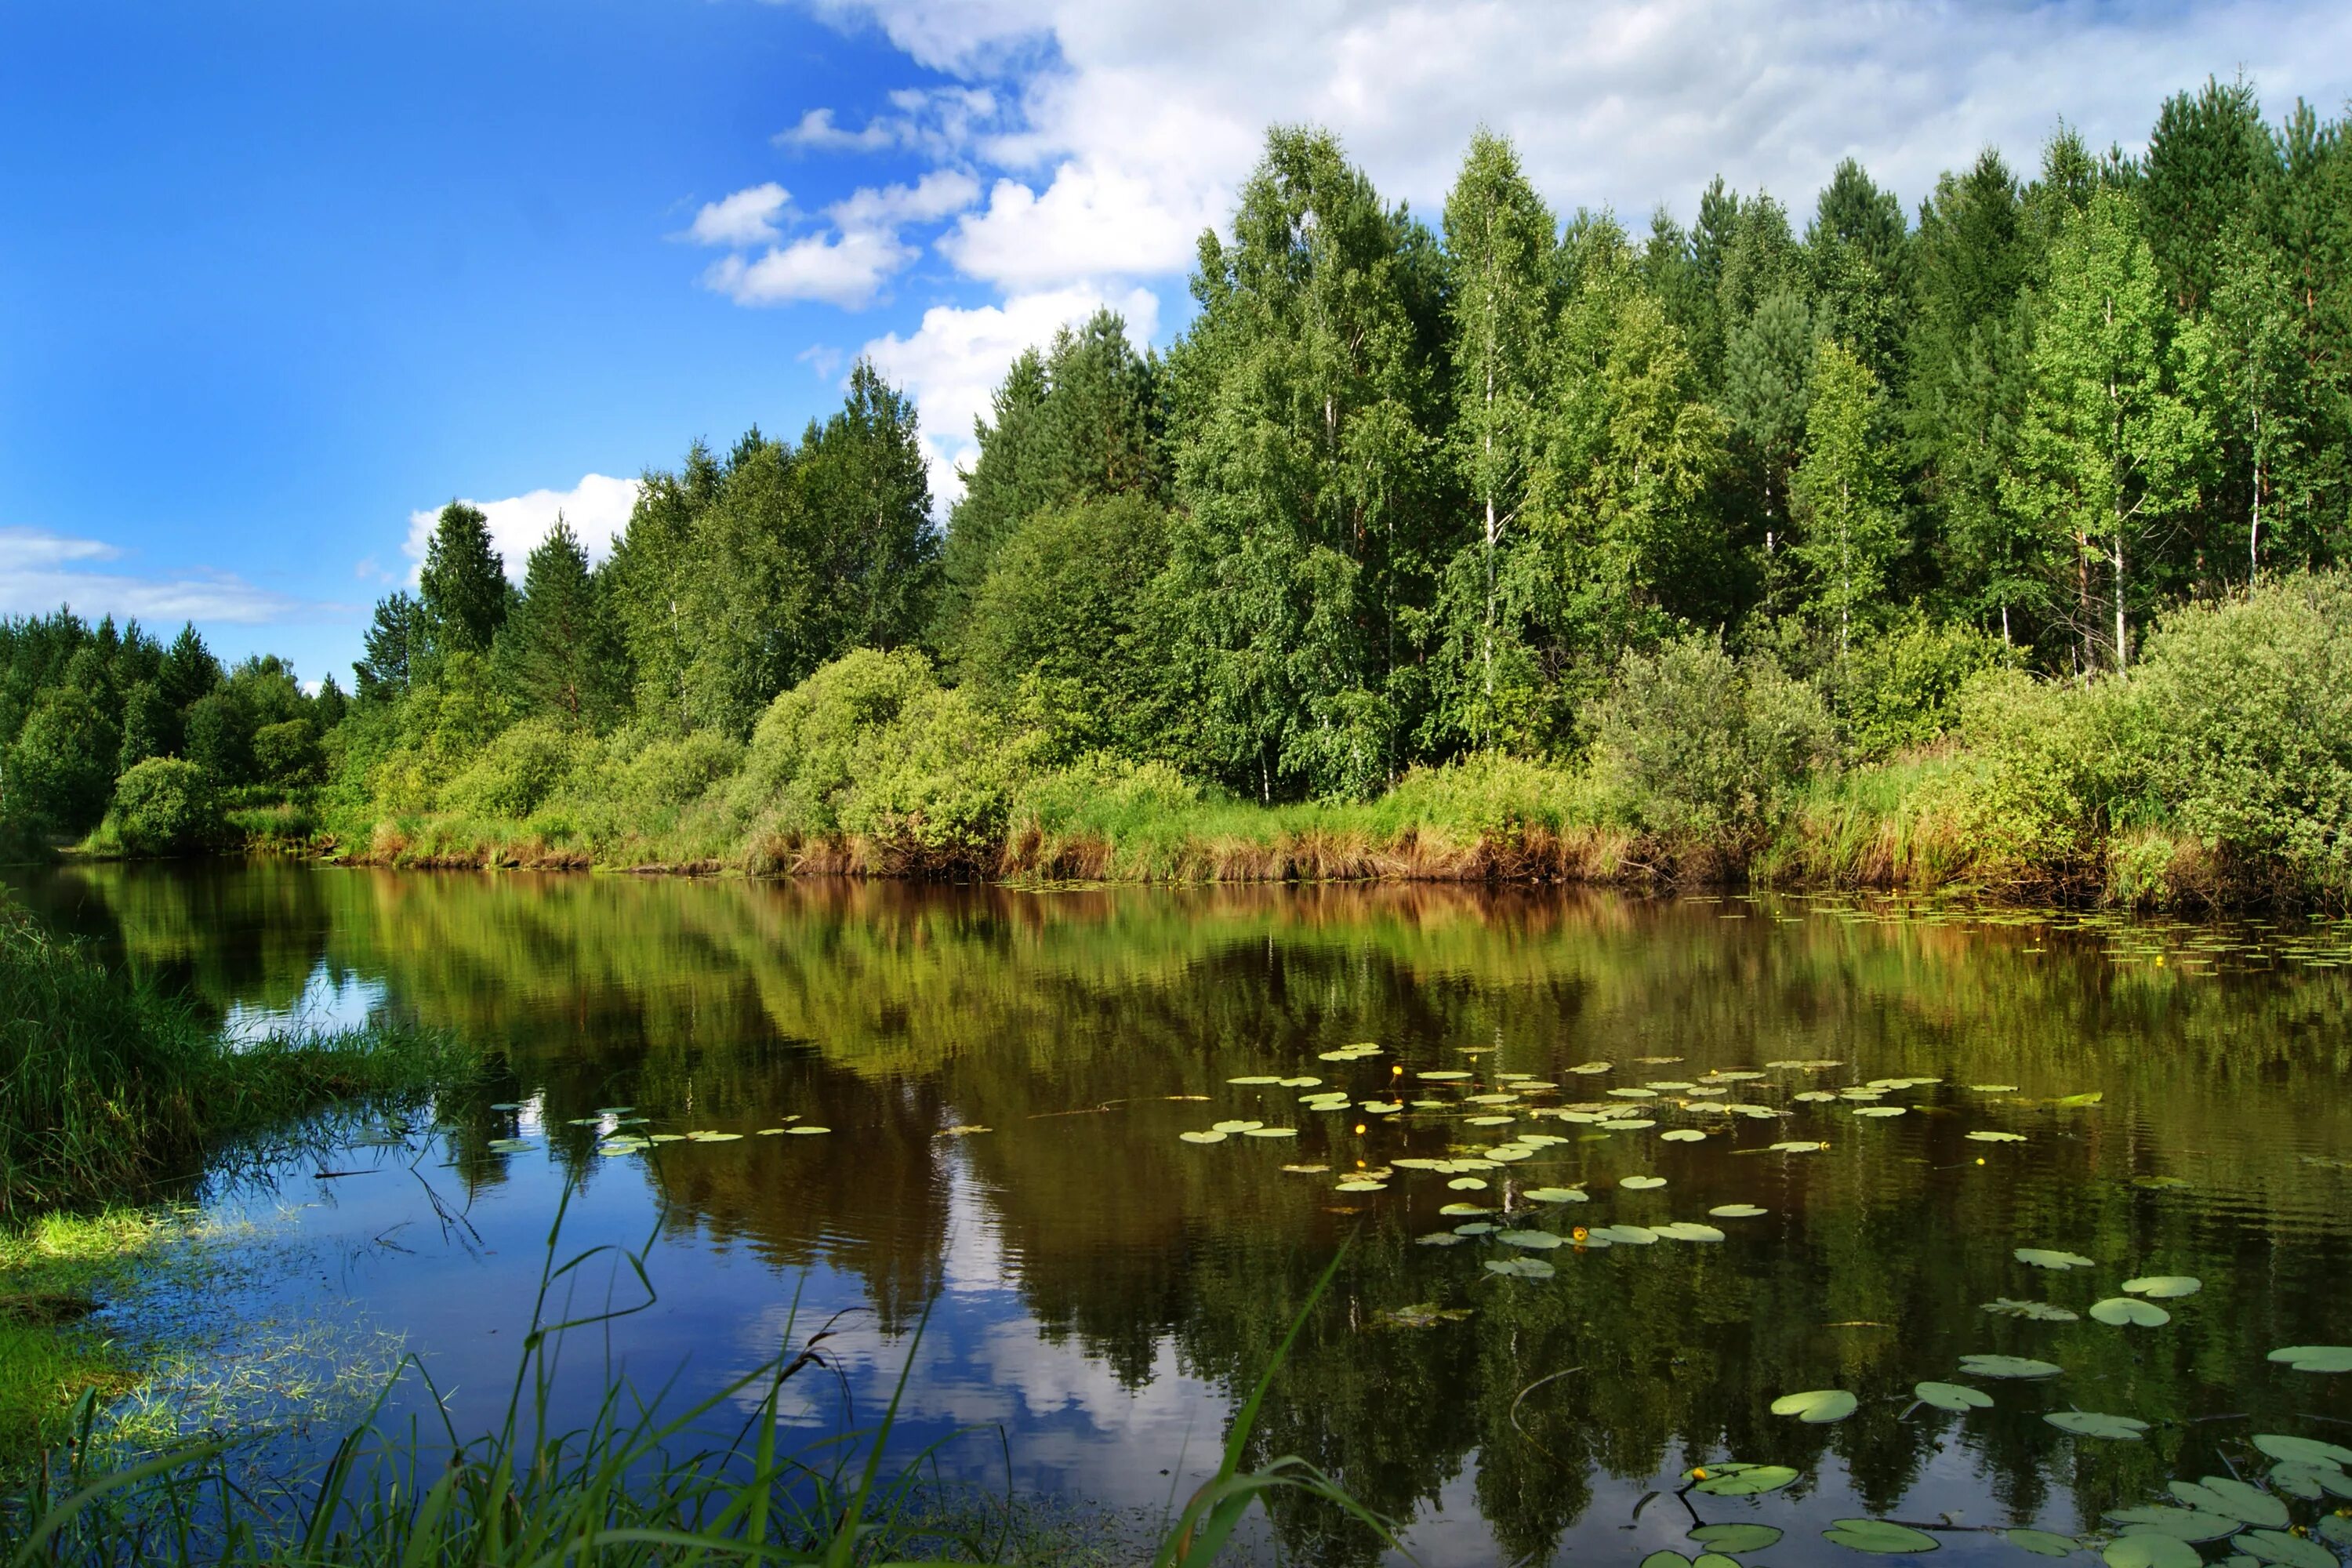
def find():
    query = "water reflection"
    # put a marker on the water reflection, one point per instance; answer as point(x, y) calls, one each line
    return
point(1102, 1289)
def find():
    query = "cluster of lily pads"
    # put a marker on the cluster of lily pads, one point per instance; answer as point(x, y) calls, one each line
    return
point(620, 1121)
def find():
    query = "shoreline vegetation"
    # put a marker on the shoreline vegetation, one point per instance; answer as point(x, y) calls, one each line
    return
point(1997, 545)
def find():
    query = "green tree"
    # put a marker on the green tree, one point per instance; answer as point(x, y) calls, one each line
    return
point(59, 772)
point(1856, 251)
point(2209, 161)
point(1498, 309)
point(2263, 399)
point(648, 575)
point(869, 494)
point(1309, 534)
point(1845, 493)
point(394, 649)
point(189, 670)
point(2110, 446)
point(1767, 384)
point(1068, 620)
point(560, 648)
point(463, 589)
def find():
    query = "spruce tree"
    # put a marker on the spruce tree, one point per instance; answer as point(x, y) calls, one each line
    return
point(464, 587)
point(559, 650)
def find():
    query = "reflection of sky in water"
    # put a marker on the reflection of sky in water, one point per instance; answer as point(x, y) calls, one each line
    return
point(330, 1000)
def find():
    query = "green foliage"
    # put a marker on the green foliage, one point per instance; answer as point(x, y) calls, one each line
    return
point(220, 737)
point(166, 806)
point(288, 754)
point(522, 766)
point(1068, 610)
point(671, 772)
point(107, 1087)
point(60, 769)
point(463, 595)
point(1702, 749)
point(1901, 688)
point(1844, 494)
point(560, 648)
point(872, 746)
point(2243, 715)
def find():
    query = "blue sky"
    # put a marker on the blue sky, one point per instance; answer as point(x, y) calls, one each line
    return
point(277, 276)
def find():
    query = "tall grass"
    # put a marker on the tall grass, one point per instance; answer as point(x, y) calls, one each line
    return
point(109, 1089)
point(635, 1484)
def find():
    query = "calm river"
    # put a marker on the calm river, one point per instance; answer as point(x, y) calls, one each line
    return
point(1617, 1174)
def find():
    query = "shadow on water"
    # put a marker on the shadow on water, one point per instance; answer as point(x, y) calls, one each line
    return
point(1004, 1075)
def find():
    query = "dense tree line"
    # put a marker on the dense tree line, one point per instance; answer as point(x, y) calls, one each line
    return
point(1402, 492)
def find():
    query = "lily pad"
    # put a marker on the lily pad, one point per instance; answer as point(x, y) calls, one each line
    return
point(1735, 1211)
point(509, 1145)
point(1234, 1126)
point(1256, 1077)
point(1521, 1267)
point(1464, 1208)
point(1270, 1132)
point(2164, 1287)
point(2033, 1312)
point(1735, 1479)
point(2316, 1357)
point(1448, 1076)
point(1642, 1184)
point(2150, 1550)
point(1683, 1135)
point(2120, 1311)
point(2044, 1258)
point(2096, 1424)
point(2302, 1450)
point(1880, 1110)
point(1468, 1184)
point(2041, 1543)
point(810, 1131)
point(1997, 1137)
point(2016, 1366)
point(1955, 1396)
point(1208, 1137)
point(1533, 1240)
point(1812, 1096)
point(1816, 1406)
point(1688, 1230)
point(2237, 1499)
point(2187, 1523)
point(1797, 1146)
point(1878, 1535)
point(1624, 1234)
point(506, 1105)
point(1557, 1196)
point(1441, 1238)
point(1361, 1186)
point(2288, 1550)
point(1635, 1093)
point(1736, 1537)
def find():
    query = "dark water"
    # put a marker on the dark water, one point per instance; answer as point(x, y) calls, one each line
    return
point(1005, 1076)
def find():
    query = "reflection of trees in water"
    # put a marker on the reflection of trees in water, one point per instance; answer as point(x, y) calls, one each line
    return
point(889, 1011)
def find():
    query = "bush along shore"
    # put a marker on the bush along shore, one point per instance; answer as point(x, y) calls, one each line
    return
point(1994, 542)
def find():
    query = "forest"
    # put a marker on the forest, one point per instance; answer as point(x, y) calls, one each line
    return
point(1996, 541)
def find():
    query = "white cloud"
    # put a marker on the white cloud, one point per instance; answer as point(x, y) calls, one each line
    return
point(939, 120)
point(1092, 222)
point(597, 508)
point(1620, 102)
point(746, 218)
point(41, 571)
point(953, 363)
point(848, 267)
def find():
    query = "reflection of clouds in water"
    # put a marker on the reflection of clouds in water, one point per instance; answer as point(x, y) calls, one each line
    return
point(330, 1000)
point(1074, 1428)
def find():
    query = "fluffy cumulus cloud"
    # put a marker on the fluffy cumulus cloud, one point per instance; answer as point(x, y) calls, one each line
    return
point(596, 509)
point(41, 571)
point(953, 363)
point(747, 217)
point(846, 265)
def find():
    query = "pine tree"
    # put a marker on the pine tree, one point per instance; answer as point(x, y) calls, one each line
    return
point(394, 645)
point(464, 587)
point(559, 650)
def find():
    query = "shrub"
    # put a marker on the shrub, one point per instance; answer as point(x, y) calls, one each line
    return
point(517, 770)
point(664, 775)
point(2241, 714)
point(1902, 689)
point(57, 777)
point(167, 806)
point(1696, 746)
point(288, 754)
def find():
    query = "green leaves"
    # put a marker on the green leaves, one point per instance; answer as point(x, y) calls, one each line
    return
point(2042, 1257)
point(2287, 1551)
point(2164, 1287)
point(2302, 1450)
point(2316, 1357)
point(2036, 1311)
point(2041, 1543)
point(2120, 1311)
point(1521, 1267)
point(2186, 1523)
point(1735, 1478)
point(1736, 1538)
point(1817, 1406)
point(2092, 1424)
point(2150, 1550)
point(1953, 1396)
point(2008, 1366)
point(2235, 1499)
point(1878, 1536)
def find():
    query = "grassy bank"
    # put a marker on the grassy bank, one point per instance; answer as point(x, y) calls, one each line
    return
point(2216, 774)
point(110, 1091)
